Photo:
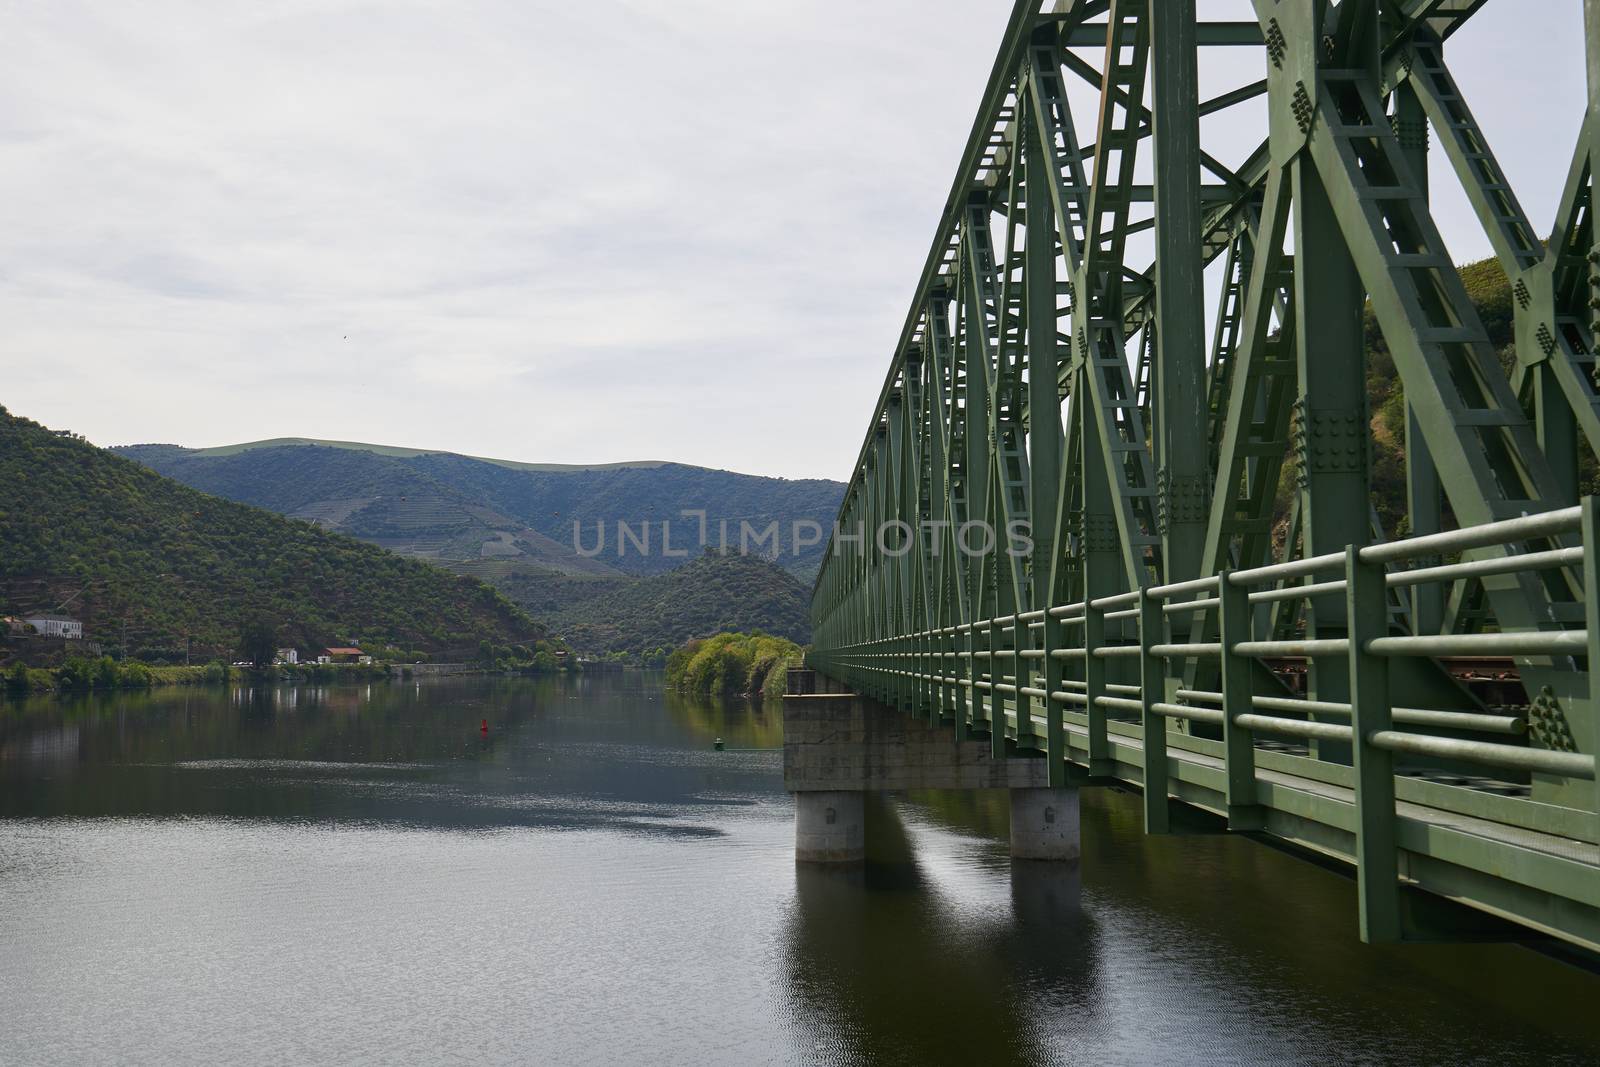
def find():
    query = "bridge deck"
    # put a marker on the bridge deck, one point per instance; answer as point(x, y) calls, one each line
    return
point(1529, 876)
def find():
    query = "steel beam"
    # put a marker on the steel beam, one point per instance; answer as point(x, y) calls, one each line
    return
point(1180, 423)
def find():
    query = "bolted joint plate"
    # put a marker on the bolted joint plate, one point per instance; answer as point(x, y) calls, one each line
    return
point(1182, 498)
point(1293, 43)
point(1411, 133)
point(1547, 724)
point(1100, 534)
point(1328, 441)
point(1534, 305)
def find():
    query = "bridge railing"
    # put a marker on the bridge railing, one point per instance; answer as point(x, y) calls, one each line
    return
point(1108, 684)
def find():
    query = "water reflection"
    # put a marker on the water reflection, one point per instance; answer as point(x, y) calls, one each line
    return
point(362, 873)
point(1210, 947)
point(875, 953)
point(561, 753)
point(741, 722)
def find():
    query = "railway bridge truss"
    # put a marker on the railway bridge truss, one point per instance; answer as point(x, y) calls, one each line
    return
point(1114, 505)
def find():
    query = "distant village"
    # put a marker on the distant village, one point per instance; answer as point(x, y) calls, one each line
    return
point(288, 657)
point(46, 624)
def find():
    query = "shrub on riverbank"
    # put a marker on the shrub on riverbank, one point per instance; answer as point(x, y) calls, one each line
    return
point(215, 673)
point(753, 663)
point(79, 675)
point(21, 679)
point(315, 672)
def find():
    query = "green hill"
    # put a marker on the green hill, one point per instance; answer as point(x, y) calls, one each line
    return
point(708, 595)
point(460, 509)
point(130, 551)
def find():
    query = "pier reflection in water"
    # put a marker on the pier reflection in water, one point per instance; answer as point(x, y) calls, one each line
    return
point(878, 951)
point(361, 873)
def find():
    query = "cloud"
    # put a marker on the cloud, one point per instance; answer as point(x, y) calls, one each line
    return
point(545, 231)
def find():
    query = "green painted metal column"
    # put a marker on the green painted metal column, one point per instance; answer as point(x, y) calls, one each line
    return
point(1557, 432)
point(1045, 440)
point(1335, 501)
point(1180, 293)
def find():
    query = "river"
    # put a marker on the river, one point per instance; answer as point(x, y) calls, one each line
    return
point(364, 875)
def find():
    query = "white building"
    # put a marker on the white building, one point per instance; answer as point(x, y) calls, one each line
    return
point(47, 625)
point(289, 656)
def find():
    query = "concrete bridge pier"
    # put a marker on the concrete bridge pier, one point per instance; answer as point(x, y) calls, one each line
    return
point(830, 826)
point(839, 745)
point(1044, 824)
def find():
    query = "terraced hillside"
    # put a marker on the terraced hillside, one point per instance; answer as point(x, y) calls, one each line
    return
point(460, 509)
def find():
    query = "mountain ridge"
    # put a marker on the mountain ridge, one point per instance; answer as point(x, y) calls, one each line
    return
point(397, 451)
point(154, 564)
point(454, 509)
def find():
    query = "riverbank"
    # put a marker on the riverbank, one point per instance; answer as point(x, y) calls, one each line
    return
point(107, 675)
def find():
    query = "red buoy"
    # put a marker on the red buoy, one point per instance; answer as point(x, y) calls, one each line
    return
point(485, 727)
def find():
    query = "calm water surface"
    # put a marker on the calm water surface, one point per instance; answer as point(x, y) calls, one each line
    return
point(359, 875)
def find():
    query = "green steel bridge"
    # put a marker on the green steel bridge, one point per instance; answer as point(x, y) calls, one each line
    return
point(1125, 358)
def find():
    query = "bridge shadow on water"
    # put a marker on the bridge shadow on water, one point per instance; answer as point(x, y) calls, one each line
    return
point(1199, 946)
point(913, 957)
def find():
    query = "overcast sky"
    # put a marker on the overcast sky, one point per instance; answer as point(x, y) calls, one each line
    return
point(554, 232)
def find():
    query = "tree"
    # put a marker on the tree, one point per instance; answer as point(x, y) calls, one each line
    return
point(258, 642)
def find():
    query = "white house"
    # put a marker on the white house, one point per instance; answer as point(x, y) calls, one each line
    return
point(288, 656)
point(47, 625)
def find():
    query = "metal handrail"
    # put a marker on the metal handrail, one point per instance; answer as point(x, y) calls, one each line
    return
point(1121, 697)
